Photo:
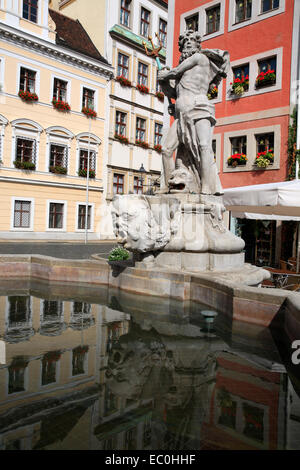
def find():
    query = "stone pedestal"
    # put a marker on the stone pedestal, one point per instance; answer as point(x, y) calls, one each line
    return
point(177, 231)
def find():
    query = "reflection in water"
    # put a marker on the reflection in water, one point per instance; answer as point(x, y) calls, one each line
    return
point(92, 369)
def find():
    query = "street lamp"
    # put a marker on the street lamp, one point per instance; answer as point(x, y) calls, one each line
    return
point(142, 172)
point(153, 185)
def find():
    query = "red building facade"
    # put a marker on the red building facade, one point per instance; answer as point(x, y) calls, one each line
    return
point(254, 103)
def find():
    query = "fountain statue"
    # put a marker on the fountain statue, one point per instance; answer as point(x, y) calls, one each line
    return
point(182, 226)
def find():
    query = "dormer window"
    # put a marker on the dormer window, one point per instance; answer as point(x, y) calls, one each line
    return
point(30, 10)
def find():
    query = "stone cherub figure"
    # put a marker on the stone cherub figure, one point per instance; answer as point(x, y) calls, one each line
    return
point(195, 169)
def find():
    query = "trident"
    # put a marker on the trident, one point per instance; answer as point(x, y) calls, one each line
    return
point(155, 50)
point(154, 53)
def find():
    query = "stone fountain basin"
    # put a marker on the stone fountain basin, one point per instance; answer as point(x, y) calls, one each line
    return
point(229, 293)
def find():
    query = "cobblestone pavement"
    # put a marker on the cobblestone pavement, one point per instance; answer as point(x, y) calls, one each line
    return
point(69, 250)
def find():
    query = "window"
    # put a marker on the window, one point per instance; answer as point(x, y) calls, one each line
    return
point(163, 32)
point(83, 160)
point(238, 145)
point(49, 368)
point(243, 10)
point(125, 12)
point(81, 308)
point(16, 374)
point(78, 360)
point(267, 5)
point(30, 10)
point(60, 90)
point(145, 23)
point(19, 312)
point(118, 184)
point(25, 151)
point(192, 22)
point(114, 330)
point(27, 80)
point(81, 217)
point(22, 214)
point(265, 142)
point(137, 185)
point(142, 74)
point(123, 62)
point(52, 309)
point(267, 64)
point(58, 156)
point(242, 72)
point(158, 86)
point(88, 98)
point(120, 128)
point(140, 133)
point(158, 133)
point(56, 215)
point(110, 402)
point(213, 20)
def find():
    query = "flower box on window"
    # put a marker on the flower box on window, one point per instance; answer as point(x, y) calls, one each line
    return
point(158, 148)
point(265, 78)
point(237, 159)
point(81, 350)
point(122, 138)
point(143, 89)
point(89, 112)
point(83, 172)
point(52, 356)
point(160, 95)
point(264, 159)
point(213, 93)
point(240, 85)
point(60, 170)
point(19, 363)
point(61, 105)
point(27, 96)
point(123, 81)
point(24, 165)
point(141, 143)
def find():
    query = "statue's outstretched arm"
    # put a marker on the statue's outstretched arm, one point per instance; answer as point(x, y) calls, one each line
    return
point(187, 64)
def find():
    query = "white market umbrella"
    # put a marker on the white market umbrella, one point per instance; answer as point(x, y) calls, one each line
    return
point(280, 201)
point(271, 201)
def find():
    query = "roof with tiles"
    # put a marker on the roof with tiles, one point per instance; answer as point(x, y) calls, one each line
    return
point(71, 34)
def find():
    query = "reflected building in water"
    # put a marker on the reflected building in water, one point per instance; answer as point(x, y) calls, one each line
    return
point(82, 375)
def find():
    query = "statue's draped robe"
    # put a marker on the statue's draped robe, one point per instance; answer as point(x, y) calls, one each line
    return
point(188, 152)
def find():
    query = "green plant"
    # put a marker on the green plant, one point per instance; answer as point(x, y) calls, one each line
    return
point(83, 172)
point(213, 93)
point(58, 169)
point(118, 254)
point(293, 154)
point(142, 88)
point(89, 112)
point(27, 96)
point(24, 165)
point(60, 105)
point(123, 81)
point(237, 159)
point(264, 159)
point(123, 139)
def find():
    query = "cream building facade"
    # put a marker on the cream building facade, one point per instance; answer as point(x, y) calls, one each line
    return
point(136, 106)
point(47, 62)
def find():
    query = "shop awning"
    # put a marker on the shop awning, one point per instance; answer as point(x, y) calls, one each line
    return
point(279, 201)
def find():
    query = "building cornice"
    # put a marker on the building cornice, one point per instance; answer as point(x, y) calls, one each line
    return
point(55, 51)
point(127, 36)
point(135, 104)
point(9, 179)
